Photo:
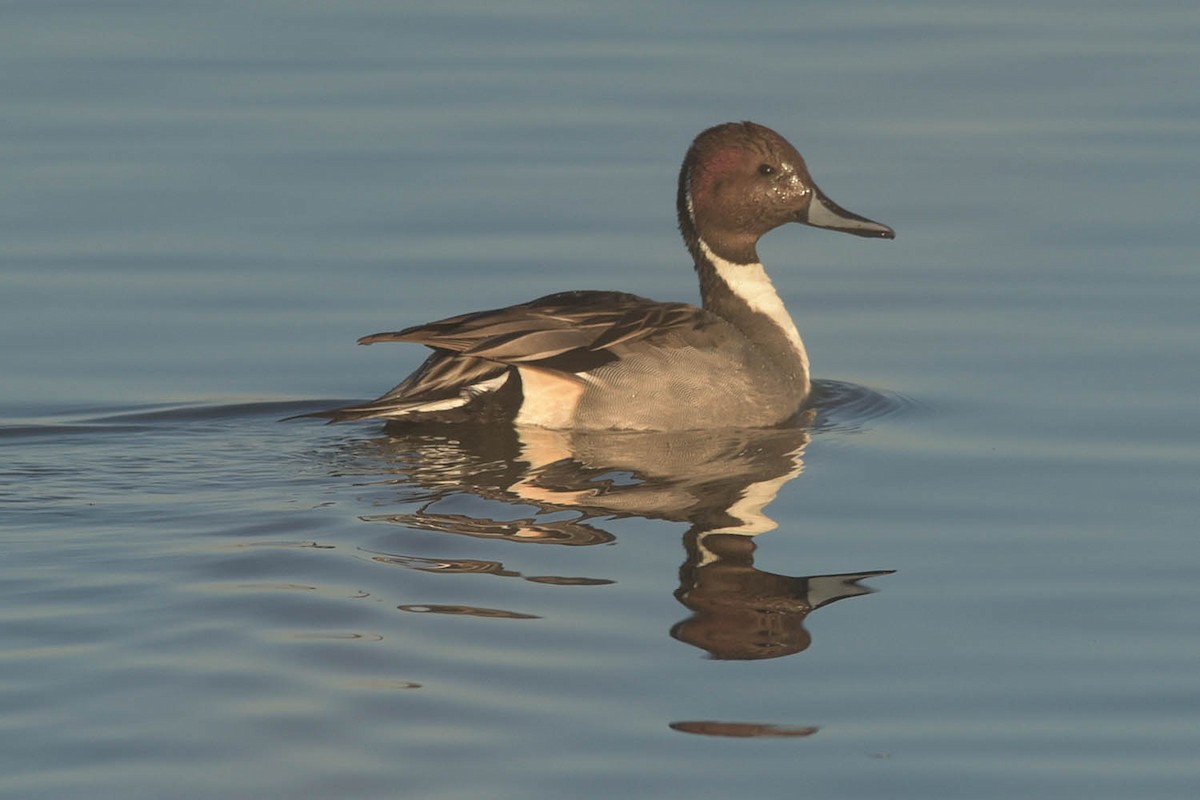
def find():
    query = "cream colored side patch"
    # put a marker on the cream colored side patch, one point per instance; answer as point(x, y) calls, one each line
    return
point(550, 398)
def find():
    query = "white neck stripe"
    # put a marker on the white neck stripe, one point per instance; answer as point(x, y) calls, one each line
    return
point(751, 283)
point(687, 196)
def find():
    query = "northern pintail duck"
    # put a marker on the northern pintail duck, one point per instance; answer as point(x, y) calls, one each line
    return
point(596, 360)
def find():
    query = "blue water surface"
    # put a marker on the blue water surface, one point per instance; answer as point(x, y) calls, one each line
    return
point(970, 575)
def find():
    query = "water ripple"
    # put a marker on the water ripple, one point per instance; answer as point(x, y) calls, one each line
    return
point(849, 408)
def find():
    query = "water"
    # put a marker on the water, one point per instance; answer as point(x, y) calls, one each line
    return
point(973, 574)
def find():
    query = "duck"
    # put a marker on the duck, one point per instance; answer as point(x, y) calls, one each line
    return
point(611, 361)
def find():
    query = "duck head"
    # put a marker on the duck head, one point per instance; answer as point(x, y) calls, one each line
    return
point(740, 180)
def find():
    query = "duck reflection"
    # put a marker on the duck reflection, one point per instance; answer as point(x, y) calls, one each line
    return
point(563, 485)
point(744, 613)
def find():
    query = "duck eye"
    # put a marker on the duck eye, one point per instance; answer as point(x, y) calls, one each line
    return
point(766, 169)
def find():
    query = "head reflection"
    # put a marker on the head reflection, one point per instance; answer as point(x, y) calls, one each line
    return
point(743, 613)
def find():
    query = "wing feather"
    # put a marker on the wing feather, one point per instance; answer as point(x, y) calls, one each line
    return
point(550, 327)
point(475, 354)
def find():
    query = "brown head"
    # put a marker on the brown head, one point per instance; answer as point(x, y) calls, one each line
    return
point(740, 180)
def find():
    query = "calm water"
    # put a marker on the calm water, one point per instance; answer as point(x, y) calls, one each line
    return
point(974, 574)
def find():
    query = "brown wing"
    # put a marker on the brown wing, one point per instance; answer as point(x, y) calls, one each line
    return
point(475, 353)
point(551, 326)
